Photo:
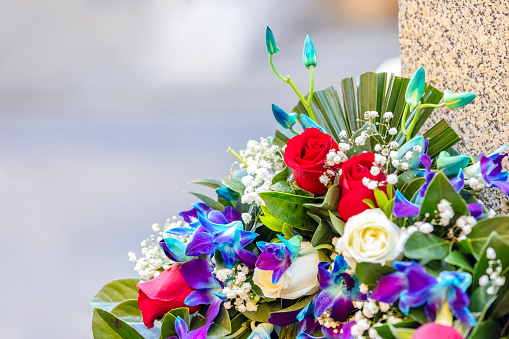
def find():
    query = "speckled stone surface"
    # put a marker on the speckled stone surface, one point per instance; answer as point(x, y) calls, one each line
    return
point(463, 46)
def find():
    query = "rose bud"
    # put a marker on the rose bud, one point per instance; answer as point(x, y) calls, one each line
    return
point(306, 155)
point(162, 294)
point(434, 330)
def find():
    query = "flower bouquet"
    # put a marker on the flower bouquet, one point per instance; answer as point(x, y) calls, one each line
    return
point(355, 227)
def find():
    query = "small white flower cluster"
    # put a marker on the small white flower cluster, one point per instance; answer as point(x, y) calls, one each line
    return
point(446, 212)
point(388, 116)
point(334, 158)
point(370, 115)
point(368, 310)
point(153, 260)
point(246, 218)
point(326, 320)
point(420, 226)
point(492, 276)
point(476, 183)
point(465, 224)
point(237, 289)
point(361, 139)
point(263, 161)
point(371, 184)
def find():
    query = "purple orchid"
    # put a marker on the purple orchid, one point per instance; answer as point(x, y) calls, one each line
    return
point(410, 284)
point(198, 275)
point(491, 170)
point(338, 290)
point(229, 238)
point(278, 257)
point(181, 329)
point(404, 208)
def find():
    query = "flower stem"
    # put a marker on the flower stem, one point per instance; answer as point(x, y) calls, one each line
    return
point(274, 69)
point(241, 330)
point(294, 131)
point(312, 86)
point(229, 150)
point(326, 246)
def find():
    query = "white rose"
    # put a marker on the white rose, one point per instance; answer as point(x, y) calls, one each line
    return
point(298, 280)
point(371, 237)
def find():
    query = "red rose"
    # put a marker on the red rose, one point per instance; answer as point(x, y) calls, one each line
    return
point(353, 191)
point(160, 295)
point(434, 330)
point(306, 154)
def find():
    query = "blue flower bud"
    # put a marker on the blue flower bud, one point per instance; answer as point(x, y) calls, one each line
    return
point(270, 41)
point(227, 194)
point(455, 100)
point(307, 122)
point(411, 151)
point(284, 119)
point(452, 165)
point(415, 88)
point(309, 53)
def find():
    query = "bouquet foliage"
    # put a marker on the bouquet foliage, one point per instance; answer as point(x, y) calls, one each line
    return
point(356, 227)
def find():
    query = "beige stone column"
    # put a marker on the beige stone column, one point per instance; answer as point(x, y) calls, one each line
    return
point(464, 46)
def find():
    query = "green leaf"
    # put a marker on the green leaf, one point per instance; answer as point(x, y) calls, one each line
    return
point(128, 311)
point(441, 137)
point(270, 221)
point(264, 310)
point(337, 223)
point(381, 198)
point(282, 186)
point(501, 304)
point(235, 185)
point(215, 184)
point(370, 203)
point(208, 201)
point(282, 175)
point(303, 302)
point(114, 293)
point(483, 229)
point(413, 188)
point(486, 330)
point(323, 233)
point(287, 231)
point(238, 322)
point(330, 202)
point(290, 209)
point(222, 325)
point(370, 273)
point(106, 326)
point(459, 259)
point(426, 246)
point(438, 189)
point(385, 332)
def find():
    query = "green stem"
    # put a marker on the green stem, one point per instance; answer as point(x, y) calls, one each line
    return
point(432, 105)
point(241, 330)
point(403, 120)
point(326, 246)
point(414, 121)
point(236, 155)
point(294, 131)
point(312, 86)
point(274, 69)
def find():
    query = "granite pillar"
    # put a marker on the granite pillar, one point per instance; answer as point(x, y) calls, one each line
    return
point(463, 46)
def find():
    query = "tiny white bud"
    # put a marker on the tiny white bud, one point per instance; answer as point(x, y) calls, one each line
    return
point(375, 170)
point(490, 253)
point(392, 179)
point(484, 280)
point(491, 290)
point(393, 131)
point(500, 281)
point(378, 148)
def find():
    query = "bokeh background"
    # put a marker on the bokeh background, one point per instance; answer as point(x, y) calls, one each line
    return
point(109, 107)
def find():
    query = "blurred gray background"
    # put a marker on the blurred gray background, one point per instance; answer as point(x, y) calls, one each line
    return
point(109, 107)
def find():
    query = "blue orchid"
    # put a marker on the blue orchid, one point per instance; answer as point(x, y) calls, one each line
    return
point(278, 257)
point(261, 331)
point(338, 290)
point(229, 239)
point(404, 208)
point(455, 100)
point(451, 165)
point(191, 217)
point(415, 88)
point(198, 275)
point(181, 329)
point(489, 170)
point(270, 41)
point(414, 287)
point(307, 122)
point(309, 53)
point(284, 119)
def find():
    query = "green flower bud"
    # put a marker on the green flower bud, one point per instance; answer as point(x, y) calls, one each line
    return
point(455, 100)
point(270, 41)
point(309, 53)
point(415, 88)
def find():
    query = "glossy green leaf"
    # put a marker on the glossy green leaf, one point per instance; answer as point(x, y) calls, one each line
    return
point(128, 311)
point(106, 326)
point(269, 220)
point(483, 229)
point(412, 188)
point(385, 332)
point(370, 273)
point(486, 330)
point(208, 201)
point(330, 202)
point(207, 182)
point(235, 185)
point(115, 292)
point(290, 209)
point(441, 137)
point(438, 189)
point(337, 223)
point(323, 233)
point(222, 325)
point(264, 310)
point(458, 259)
point(426, 246)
